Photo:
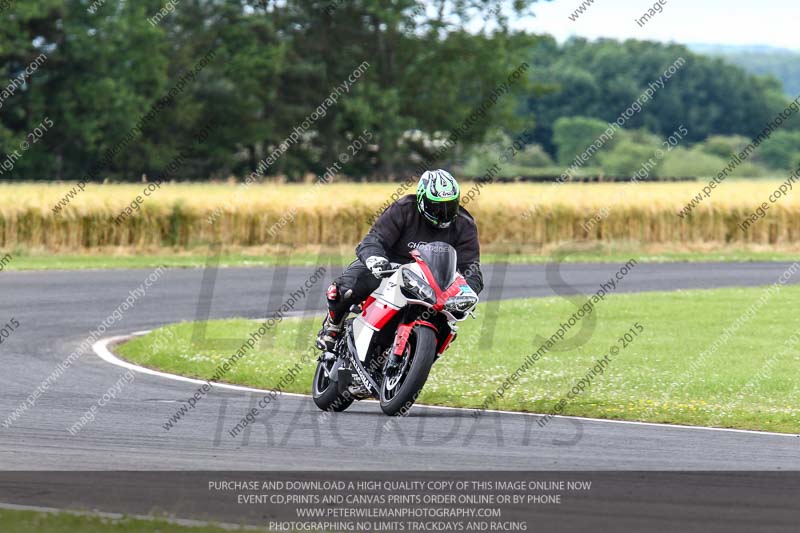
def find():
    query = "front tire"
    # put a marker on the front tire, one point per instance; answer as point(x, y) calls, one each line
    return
point(326, 392)
point(399, 392)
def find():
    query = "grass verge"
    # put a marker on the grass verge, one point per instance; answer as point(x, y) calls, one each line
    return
point(310, 256)
point(680, 369)
point(14, 521)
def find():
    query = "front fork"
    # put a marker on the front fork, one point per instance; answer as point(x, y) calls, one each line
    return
point(401, 339)
point(404, 332)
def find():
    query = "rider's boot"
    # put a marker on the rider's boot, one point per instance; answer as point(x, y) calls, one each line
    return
point(330, 333)
point(332, 326)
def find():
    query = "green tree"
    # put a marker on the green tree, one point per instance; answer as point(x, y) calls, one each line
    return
point(724, 145)
point(632, 151)
point(102, 70)
point(781, 150)
point(573, 135)
point(602, 79)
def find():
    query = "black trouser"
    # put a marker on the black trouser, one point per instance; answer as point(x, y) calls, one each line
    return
point(352, 287)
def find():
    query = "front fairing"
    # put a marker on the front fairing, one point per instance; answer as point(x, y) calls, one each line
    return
point(437, 262)
point(441, 260)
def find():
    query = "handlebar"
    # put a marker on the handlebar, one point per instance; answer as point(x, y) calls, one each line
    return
point(395, 268)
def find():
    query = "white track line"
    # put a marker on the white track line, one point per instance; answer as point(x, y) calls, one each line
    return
point(101, 349)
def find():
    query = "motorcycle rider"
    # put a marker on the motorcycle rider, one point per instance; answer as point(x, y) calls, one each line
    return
point(433, 214)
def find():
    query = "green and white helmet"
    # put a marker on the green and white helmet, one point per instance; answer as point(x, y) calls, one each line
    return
point(438, 195)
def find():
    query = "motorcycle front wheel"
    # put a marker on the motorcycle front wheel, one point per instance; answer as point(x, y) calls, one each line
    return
point(400, 391)
point(326, 391)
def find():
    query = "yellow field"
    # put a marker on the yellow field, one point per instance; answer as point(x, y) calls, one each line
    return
point(187, 215)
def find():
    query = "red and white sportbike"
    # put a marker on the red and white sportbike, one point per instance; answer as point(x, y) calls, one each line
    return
point(405, 325)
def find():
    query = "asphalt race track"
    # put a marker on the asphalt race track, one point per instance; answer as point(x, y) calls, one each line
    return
point(57, 310)
point(736, 480)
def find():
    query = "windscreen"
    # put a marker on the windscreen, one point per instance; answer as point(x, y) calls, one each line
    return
point(441, 259)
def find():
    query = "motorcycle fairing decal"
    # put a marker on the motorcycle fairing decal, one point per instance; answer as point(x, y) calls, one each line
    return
point(453, 290)
point(368, 301)
point(375, 314)
point(378, 314)
point(359, 367)
point(463, 286)
point(362, 335)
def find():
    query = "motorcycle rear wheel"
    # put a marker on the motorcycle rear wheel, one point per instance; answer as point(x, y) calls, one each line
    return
point(399, 392)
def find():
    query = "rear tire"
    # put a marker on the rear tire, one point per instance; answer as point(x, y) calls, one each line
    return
point(398, 399)
point(326, 392)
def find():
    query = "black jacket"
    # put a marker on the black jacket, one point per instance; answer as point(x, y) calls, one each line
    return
point(401, 228)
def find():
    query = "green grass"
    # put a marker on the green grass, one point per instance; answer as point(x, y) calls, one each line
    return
point(145, 261)
point(198, 259)
point(36, 522)
point(749, 382)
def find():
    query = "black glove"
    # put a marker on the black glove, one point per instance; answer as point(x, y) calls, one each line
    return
point(377, 265)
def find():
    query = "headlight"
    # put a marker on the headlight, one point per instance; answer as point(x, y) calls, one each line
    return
point(461, 302)
point(418, 287)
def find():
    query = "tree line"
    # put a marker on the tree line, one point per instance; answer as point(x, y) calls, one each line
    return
point(126, 88)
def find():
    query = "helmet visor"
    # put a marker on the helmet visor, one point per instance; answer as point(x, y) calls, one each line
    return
point(442, 212)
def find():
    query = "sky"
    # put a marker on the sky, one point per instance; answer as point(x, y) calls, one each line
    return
point(731, 22)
